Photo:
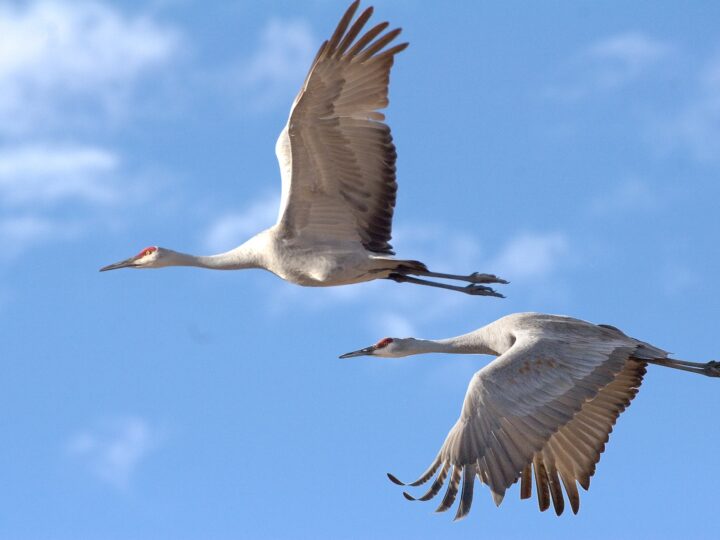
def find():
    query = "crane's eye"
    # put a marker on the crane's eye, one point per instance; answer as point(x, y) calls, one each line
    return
point(383, 343)
point(145, 252)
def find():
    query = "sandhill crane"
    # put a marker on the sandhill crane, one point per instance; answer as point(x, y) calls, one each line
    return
point(337, 163)
point(547, 404)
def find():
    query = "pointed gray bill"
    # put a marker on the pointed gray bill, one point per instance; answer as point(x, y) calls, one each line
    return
point(127, 263)
point(362, 352)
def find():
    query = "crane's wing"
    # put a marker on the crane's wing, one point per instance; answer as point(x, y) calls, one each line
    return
point(545, 405)
point(336, 154)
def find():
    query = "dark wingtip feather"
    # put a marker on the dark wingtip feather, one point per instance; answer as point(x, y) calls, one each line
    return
point(575, 505)
point(452, 490)
point(408, 496)
point(394, 479)
point(466, 495)
point(526, 483)
point(343, 24)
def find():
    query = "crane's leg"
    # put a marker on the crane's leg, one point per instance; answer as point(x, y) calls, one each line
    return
point(711, 369)
point(475, 277)
point(473, 289)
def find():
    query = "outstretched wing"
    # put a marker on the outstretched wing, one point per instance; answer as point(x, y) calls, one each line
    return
point(336, 154)
point(544, 405)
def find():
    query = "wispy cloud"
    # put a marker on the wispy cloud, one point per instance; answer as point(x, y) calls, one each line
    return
point(610, 64)
point(532, 255)
point(394, 324)
point(42, 173)
point(114, 450)
point(696, 127)
point(63, 61)
point(231, 229)
point(279, 65)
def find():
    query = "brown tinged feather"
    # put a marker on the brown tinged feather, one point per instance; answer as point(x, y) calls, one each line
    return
point(379, 44)
point(353, 32)
point(452, 490)
point(367, 38)
point(466, 495)
point(342, 25)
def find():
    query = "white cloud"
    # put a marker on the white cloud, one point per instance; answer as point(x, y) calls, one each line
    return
point(114, 451)
point(278, 67)
point(531, 256)
point(610, 64)
point(395, 325)
point(231, 230)
point(58, 57)
point(44, 173)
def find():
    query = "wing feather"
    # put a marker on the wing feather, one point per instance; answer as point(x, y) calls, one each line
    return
point(336, 154)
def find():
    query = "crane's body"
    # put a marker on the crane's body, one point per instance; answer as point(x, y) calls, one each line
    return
point(544, 408)
point(337, 164)
point(314, 265)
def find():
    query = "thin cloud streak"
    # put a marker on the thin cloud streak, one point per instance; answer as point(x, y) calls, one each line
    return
point(46, 173)
point(609, 65)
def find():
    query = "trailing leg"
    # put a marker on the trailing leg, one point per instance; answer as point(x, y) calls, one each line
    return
point(710, 369)
point(475, 277)
point(472, 289)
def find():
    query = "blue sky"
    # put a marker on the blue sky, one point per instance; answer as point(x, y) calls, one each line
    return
point(573, 148)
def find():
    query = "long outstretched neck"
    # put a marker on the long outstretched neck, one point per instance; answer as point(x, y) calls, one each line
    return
point(244, 256)
point(456, 345)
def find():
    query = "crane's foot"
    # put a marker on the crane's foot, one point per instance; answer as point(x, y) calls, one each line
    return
point(477, 277)
point(712, 369)
point(480, 290)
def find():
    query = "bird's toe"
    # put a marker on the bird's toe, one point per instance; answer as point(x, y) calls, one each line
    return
point(480, 290)
point(478, 277)
point(712, 368)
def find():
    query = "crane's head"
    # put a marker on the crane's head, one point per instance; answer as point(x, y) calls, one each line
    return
point(150, 257)
point(386, 347)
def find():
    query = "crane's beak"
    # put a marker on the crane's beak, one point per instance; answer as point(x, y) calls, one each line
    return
point(367, 351)
point(127, 263)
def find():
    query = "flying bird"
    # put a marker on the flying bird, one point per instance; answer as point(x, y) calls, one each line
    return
point(337, 163)
point(544, 408)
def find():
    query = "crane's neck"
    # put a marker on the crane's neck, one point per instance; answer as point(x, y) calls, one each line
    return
point(456, 345)
point(245, 256)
